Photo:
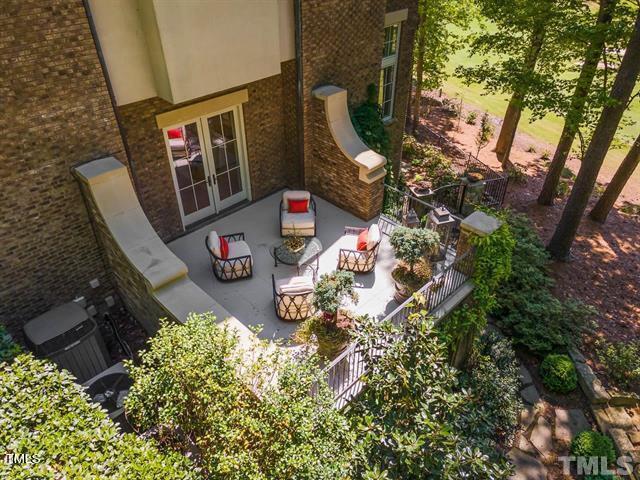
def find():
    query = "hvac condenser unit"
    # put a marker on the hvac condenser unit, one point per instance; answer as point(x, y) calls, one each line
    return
point(68, 336)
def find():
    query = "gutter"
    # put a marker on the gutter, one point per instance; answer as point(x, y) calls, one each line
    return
point(112, 97)
point(297, 11)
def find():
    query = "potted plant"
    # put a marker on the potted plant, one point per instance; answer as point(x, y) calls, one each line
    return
point(412, 247)
point(294, 243)
point(331, 326)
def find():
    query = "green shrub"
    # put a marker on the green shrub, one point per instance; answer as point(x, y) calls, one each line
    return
point(198, 385)
point(558, 373)
point(622, 361)
point(367, 121)
point(412, 419)
point(412, 244)
point(435, 166)
point(471, 118)
point(525, 307)
point(593, 444)
point(45, 414)
point(8, 349)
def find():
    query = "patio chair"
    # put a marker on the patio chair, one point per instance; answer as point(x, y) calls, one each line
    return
point(359, 260)
point(238, 262)
point(302, 221)
point(292, 298)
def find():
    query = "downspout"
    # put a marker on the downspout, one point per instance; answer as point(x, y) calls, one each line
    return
point(297, 11)
point(112, 97)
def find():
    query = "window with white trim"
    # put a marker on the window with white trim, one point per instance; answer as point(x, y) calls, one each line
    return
point(387, 85)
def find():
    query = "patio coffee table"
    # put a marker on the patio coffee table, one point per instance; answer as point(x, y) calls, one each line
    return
point(304, 257)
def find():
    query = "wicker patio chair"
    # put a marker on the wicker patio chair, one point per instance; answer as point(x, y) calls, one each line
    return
point(359, 261)
point(299, 224)
point(239, 262)
point(293, 298)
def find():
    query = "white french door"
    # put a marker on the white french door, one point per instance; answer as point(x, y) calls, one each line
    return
point(208, 163)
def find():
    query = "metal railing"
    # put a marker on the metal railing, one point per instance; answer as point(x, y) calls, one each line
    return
point(344, 374)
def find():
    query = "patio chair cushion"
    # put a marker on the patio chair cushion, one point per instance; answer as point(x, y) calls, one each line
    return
point(298, 206)
point(214, 243)
point(298, 220)
point(224, 248)
point(294, 285)
point(294, 195)
point(374, 236)
point(238, 249)
point(361, 243)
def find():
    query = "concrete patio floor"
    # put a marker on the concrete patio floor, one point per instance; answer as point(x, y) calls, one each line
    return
point(251, 300)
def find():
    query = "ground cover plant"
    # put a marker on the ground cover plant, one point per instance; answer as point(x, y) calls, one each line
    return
point(593, 444)
point(621, 361)
point(248, 413)
point(47, 416)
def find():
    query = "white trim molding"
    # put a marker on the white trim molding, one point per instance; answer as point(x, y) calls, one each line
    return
point(370, 163)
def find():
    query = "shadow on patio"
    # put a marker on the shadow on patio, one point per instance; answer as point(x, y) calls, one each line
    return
point(251, 300)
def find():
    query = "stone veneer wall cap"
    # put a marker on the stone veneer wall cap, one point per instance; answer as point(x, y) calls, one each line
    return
point(345, 136)
point(99, 171)
point(480, 223)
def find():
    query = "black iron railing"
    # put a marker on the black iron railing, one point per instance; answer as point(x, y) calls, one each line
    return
point(344, 374)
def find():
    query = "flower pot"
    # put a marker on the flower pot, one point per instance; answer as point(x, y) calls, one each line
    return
point(402, 293)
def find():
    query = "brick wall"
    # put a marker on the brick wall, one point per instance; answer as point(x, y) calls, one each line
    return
point(269, 118)
point(342, 45)
point(56, 112)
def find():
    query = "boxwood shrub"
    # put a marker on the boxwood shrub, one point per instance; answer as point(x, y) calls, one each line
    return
point(558, 373)
point(593, 444)
point(47, 417)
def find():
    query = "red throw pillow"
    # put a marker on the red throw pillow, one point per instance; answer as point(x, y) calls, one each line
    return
point(362, 240)
point(224, 248)
point(175, 133)
point(298, 206)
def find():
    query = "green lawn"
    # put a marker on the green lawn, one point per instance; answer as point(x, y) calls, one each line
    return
point(547, 129)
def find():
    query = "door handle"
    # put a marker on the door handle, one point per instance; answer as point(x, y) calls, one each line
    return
point(209, 179)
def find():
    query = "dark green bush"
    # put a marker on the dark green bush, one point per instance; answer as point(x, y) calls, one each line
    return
point(46, 415)
point(8, 349)
point(593, 444)
point(367, 121)
point(558, 373)
point(526, 309)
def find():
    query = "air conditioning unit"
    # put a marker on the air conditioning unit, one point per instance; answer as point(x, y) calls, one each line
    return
point(69, 337)
point(109, 389)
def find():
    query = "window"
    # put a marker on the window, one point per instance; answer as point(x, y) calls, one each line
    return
point(386, 87)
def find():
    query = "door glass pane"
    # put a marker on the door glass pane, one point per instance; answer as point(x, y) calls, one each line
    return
point(236, 181)
point(224, 189)
point(232, 154)
point(182, 174)
point(202, 194)
point(197, 169)
point(227, 126)
point(188, 200)
point(219, 159)
point(215, 130)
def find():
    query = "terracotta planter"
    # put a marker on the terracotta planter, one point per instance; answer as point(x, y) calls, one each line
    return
point(402, 293)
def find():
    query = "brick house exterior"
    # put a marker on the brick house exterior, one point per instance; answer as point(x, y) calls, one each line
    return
point(58, 111)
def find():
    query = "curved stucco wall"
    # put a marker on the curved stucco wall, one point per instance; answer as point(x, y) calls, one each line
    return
point(151, 280)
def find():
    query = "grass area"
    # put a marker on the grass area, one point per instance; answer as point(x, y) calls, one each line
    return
point(547, 129)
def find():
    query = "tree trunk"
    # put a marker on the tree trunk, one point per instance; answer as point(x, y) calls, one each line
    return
point(419, 79)
point(619, 180)
point(514, 110)
point(578, 102)
point(565, 232)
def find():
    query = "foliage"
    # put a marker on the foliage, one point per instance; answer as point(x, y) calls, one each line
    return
point(367, 121)
point(332, 289)
point(412, 244)
point(331, 337)
point(485, 132)
point(622, 361)
point(199, 387)
point(593, 444)
point(415, 280)
point(471, 118)
point(8, 348)
point(413, 419)
point(558, 373)
point(517, 174)
point(434, 165)
point(525, 308)
point(440, 22)
point(493, 381)
point(48, 416)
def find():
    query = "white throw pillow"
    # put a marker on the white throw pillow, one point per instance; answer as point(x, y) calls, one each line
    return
point(374, 236)
point(214, 243)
